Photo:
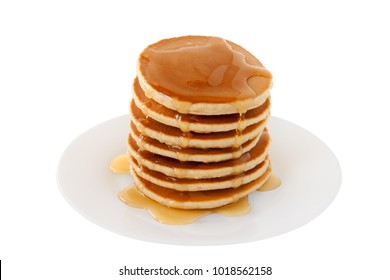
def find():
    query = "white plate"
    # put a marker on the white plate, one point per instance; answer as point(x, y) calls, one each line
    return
point(309, 171)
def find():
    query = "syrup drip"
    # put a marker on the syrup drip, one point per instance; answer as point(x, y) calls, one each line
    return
point(241, 122)
point(238, 139)
point(184, 139)
point(184, 126)
point(181, 156)
point(238, 152)
point(183, 106)
point(141, 142)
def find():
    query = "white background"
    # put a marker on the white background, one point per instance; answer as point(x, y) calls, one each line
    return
point(68, 65)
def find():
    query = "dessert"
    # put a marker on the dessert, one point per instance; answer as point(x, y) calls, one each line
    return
point(198, 137)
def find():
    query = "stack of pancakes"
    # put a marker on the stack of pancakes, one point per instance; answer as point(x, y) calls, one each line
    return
point(198, 136)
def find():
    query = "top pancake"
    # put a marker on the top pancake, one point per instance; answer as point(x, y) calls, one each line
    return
point(203, 75)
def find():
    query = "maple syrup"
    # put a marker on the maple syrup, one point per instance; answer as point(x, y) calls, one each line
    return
point(272, 183)
point(203, 69)
point(174, 216)
point(168, 215)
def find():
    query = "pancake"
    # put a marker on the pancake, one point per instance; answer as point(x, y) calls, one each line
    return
point(199, 170)
point(175, 137)
point(232, 181)
point(189, 154)
point(198, 123)
point(200, 199)
point(179, 74)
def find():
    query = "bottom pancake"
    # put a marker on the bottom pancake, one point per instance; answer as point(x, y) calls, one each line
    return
point(200, 199)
